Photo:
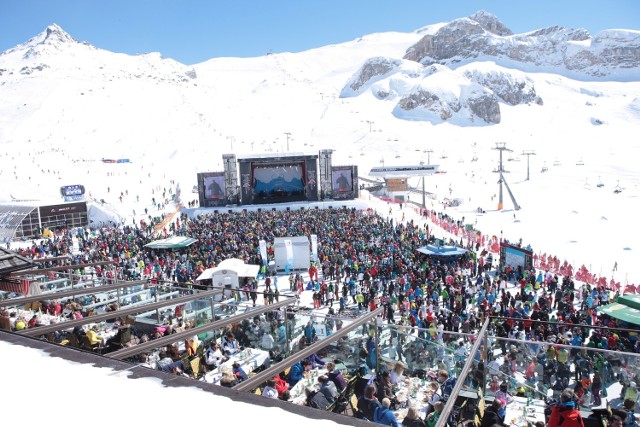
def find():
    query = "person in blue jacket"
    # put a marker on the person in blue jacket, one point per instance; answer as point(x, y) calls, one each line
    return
point(296, 371)
point(309, 333)
point(383, 415)
point(315, 361)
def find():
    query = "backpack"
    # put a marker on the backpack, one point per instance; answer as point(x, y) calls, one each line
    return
point(630, 421)
point(447, 388)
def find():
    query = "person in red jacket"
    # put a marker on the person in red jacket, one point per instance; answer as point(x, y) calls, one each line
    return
point(566, 413)
point(280, 384)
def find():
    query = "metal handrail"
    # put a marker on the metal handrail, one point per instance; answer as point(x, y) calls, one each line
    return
point(263, 376)
point(81, 289)
point(173, 338)
point(60, 267)
point(444, 417)
point(42, 330)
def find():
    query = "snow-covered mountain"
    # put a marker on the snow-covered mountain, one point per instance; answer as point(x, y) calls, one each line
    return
point(445, 93)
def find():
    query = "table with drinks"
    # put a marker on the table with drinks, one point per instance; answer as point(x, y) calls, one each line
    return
point(524, 411)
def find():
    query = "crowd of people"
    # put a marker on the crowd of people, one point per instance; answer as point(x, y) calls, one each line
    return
point(365, 261)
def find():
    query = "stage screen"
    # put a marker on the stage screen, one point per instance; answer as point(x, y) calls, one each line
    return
point(278, 180)
point(214, 187)
point(342, 180)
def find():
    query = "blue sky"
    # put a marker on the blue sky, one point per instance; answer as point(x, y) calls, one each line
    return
point(192, 31)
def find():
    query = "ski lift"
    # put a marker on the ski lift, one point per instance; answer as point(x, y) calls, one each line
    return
point(618, 189)
point(474, 158)
point(544, 169)
point(600, 184)
point(556, 162)
point(580, 162)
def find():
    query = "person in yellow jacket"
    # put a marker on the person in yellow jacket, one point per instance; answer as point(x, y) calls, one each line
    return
point(562, 355)
point(92, 334)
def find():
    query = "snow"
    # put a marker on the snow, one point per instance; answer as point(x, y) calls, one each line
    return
point(112, 396)
point(56, 125)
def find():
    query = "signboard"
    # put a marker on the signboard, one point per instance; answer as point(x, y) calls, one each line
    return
point(62, 209)
point(73, 198)
point(515, 256)
point(72, 190)
point(397, 184)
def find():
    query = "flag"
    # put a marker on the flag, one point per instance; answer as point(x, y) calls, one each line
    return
point(314, 247)
point(263, 251)
point(289, 248)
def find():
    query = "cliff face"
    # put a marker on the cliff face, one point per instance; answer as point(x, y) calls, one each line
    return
point(483, 36)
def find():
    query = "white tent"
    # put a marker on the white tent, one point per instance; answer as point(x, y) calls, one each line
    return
point(228, 273)
point(293, 251)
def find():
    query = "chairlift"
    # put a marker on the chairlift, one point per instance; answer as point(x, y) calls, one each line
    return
point(544, 169)
point(580, 163)
point(556, 162)
point(474, 159)
point(618, 189)
point(600, 184)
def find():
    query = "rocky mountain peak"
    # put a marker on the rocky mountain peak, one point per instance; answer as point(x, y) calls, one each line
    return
point(53, 35)
point(490, 22)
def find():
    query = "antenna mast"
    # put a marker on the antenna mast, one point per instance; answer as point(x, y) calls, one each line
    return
point(501, 146)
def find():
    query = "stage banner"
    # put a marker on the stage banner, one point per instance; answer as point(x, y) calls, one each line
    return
point(314, 247)
point(263, 251)
point(289, 247)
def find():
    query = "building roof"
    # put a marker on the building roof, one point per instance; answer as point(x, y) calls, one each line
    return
point(11, 216)
point(175, 242)
point(441, 250)
point(233, 264)
point(620, 310)
point(11, 261)
point(403, 171)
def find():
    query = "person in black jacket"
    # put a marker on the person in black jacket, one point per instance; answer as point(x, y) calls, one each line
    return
point(315, 399)
point(491, 416)
point(368, 403)
point(384, 386)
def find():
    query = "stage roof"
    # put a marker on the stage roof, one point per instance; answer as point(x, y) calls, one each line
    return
point(274, 156)
point(175, 242)
point(403, 171)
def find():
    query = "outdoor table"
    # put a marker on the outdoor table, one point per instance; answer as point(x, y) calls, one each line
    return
point(249, 359)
